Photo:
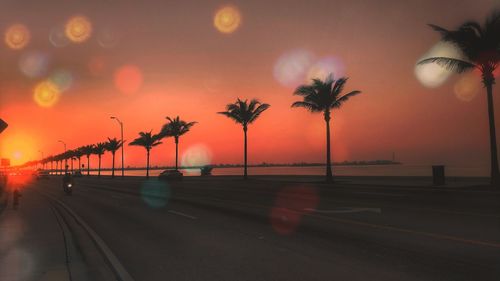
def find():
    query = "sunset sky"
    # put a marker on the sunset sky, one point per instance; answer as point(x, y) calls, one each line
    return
point(144, 60)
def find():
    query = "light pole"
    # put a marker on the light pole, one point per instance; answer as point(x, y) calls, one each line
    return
point(65, 159)
point(121, 130)
point(42, 160)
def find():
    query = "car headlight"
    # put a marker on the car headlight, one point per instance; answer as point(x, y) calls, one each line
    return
point(69, 185)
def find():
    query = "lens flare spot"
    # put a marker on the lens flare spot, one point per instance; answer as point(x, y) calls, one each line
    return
point(128, 79)
point(108, 37)
point(34, 64)
point(291, 204)
point(96, 66)
point(78, 29)
point(197, 155)
point(227, 19)
point(46, 94)
point(322, 68)
point(17, 36)
point(63, 79)
point(57, 37)
point(432, 75)
point(155, 193)
point(291, 68)
point(467, 87)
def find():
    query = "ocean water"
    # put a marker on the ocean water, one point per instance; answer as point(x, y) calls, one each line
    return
point(359, 170)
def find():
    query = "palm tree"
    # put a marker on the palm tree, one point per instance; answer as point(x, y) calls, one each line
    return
point(113, 145)
point(244, 113)
point(87, 150)
point(78, 154)
point(99, 149)
point(176, 128)
point(324, 96)
point(148, 141)
point(480, 46)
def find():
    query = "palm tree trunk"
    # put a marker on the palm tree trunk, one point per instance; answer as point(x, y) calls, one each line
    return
point(245, 173)
point(329, 175)
point(88, 165)
point(176, 152)
point(147, 164)
point(495, 175)
point(99, 169)
point(79, 163)
point(113, 166)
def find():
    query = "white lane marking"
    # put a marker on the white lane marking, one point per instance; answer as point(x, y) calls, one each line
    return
point(345, 210)
point(182, 214)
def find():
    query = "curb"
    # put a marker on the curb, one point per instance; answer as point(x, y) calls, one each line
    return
point(119, 270)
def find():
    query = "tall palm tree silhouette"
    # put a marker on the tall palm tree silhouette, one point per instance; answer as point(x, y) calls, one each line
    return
point(324, 96)
point(176, 128)
point(78, 154)
point(112, 145)
point(244, 113)
point(480, 46)
point(88, 150)
point(99, 149)
point(148, 141)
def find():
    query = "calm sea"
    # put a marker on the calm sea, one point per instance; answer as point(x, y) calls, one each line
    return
point(369, 170)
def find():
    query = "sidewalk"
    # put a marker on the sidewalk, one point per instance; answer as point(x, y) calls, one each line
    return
point(31, 241)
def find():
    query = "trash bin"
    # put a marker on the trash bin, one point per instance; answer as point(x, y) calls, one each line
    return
point(438, 175)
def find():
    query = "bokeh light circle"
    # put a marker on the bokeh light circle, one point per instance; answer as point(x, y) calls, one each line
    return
point(324, 67)
point(96, 65)
point(46, 94)
point(155, 193)
point(17, 36)
point(291, 68)
point(108, 37)
point(63, 79)
point(128, 79)
point(291, 204)
point(34, 64)
point(78, 29)
point(432, 75)
point(197, 155)
point(57, 37)
point(467, 87)
point(227, 19)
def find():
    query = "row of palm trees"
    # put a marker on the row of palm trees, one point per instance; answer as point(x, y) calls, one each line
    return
point(319, 96)
point(175, 127)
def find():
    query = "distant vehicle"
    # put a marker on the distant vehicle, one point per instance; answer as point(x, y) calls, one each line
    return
point(77, 173)
point(68, 183)
point(170, 175)
point(206, 170)
point(42, 175)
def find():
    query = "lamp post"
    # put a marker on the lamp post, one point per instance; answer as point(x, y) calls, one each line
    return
point(121, 131)
point(65, 159)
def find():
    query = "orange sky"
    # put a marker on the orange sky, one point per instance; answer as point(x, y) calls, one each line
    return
point(191, 69)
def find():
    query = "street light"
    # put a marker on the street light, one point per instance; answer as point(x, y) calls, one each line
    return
point(65, 159)
point(121, 130)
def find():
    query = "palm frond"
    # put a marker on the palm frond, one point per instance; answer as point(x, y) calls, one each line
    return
point(451, 64)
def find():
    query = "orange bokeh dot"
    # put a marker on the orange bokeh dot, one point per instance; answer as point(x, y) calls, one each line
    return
point(78, 29)
point(96, 66)
point(227, 19)
point(46, 94)
point(17, 36)
point(128, 79)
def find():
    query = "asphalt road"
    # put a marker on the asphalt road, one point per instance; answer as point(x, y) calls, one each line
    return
point(223, 228)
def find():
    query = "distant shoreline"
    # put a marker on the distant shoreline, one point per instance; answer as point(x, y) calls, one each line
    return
point(345, 163)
